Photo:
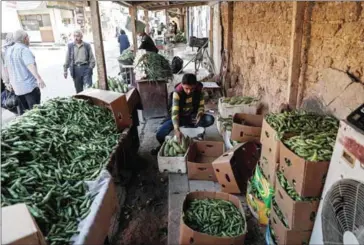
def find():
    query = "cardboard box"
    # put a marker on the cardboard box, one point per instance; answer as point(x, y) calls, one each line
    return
point(236, 166)
point(189, 236)
point(18, 226)
point(99, 229)
point(286, 236)
point(308, 178)
point(114, 101)
point(226, 110)
point(300, 215)
point(133, 100)
point(268, 139)
point(250, 131)
point(268, 166)
point(171, 164)
point(200, 158)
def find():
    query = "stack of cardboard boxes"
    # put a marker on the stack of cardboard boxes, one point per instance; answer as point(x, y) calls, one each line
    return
point(307, 179)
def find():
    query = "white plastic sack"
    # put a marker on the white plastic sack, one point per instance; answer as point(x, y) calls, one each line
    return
point(97, 187)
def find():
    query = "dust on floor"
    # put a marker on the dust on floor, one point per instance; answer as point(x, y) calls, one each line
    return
point(143, 218)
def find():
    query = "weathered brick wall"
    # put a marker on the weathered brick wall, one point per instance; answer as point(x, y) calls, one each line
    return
point(335, 45)
point(260, 49)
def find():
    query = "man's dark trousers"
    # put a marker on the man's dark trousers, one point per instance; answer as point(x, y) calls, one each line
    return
point(27, 101)
point(82, 77)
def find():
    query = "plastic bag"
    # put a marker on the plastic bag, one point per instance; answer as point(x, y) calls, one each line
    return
point(98, 188)
point(263, 187)
point(9, 100)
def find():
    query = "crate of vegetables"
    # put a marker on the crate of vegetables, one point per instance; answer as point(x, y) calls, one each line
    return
point(229, 106)
point(280, 234)
point(113, 101)
point(48, 154)
point(212, 218)
point(173, 154)
point(305, 159)
point(299, 212)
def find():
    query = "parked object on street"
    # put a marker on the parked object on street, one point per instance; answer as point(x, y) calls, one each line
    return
point(212, 218)
point(80, 61)
point(20, 67)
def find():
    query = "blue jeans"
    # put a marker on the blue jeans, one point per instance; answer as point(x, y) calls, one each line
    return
point(206, 121)
point(82, 77)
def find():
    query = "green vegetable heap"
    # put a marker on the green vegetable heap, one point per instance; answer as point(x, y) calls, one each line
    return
point(226, 123)
point(47, 155)
point(180, 37)
point(313, 146)
point(215, 217)
point(115, 84)
point(238, 100)
point(279, 213)
point(127, 56)
point(173, 149)
point(155, 66)
point(301, 121)
point(316, 133)
point(291, 191)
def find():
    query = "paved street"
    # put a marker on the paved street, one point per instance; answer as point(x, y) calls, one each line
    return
point(50, 66)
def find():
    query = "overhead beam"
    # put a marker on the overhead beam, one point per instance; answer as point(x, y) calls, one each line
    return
point(295, 53)
point(178, 5)
point(123, 3)
point(99, 46)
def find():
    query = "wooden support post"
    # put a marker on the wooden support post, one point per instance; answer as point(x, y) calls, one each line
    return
point(229, 33)
point(99, 46)
point(211, 32)
point(133, 16)
point(146, 19)
point(167, 17)
point(295, 53)
point(187, 23)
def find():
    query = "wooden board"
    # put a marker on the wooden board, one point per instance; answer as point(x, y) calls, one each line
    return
point(154, 98)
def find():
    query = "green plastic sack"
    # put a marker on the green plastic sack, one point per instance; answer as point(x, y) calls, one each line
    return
point(263, 187)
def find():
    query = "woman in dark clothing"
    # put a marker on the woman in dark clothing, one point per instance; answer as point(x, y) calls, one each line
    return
point(123, 41)
point(147, 43)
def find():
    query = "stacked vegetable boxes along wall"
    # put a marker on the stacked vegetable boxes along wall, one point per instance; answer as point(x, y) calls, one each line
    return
point(302, 143)
point(47, 155)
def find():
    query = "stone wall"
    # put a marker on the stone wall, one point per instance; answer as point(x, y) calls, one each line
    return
point(334, 74)
point(260, 50)
point(332, 53)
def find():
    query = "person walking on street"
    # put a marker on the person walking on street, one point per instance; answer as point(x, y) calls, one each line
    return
point(9, 41)
point(123, 41)
point(175, 27)
point(21, 68)
point(81, 61)
point(160, 28)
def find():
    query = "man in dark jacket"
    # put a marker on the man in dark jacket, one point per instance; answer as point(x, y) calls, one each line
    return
point(147, 43)
point(80, 60)
point(187, 109)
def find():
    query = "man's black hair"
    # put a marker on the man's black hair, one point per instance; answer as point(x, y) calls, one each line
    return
point(122, 32)
point(189, 79)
